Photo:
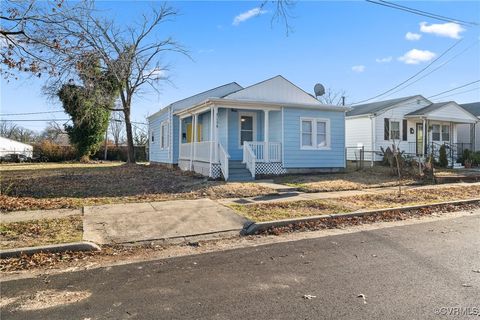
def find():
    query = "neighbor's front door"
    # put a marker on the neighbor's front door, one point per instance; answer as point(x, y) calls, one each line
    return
point(419, 139)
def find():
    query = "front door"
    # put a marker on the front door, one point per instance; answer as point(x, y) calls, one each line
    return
point(247, 127)
point(419, 139)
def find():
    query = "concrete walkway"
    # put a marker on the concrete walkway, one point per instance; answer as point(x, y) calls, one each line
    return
point(298, 195)
point(167, 220)
point(19, 216)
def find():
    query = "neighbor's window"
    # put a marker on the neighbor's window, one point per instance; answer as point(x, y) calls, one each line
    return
point(394, 130)
point(436, 132)
point(314, 133)
point(164, 135)
point(446, 133)
point(153, 136)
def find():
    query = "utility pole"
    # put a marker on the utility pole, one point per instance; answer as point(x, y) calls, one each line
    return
point(106, 143)
point(343, 100)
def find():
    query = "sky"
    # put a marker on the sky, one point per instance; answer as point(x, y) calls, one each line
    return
point(355, 46)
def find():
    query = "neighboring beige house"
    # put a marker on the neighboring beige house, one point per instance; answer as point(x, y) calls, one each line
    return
point(469, 134)
point(413, 123)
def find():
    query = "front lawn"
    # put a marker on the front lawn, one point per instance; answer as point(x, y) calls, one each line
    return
point(294, 209)
point(370, 177)
point(72, 185)
point(40, 232)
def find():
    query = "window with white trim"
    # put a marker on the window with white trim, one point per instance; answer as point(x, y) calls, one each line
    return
point(445, 132)
point(436, 132)
point(314, 133)
point(395, 130)
point(164, 138)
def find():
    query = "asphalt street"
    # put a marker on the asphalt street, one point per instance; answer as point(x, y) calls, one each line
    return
point(423, 271)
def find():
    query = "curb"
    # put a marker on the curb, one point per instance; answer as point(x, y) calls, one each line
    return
point(73, 246)
point(257, 227)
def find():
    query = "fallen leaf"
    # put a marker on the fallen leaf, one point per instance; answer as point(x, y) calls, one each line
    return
point(308, 297)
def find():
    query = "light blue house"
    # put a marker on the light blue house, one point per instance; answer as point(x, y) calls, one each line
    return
point(270, 128)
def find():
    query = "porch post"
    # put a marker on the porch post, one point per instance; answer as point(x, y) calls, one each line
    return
point(266, 136)
point(425, 133)
point(211, 139)
point(194, 139)
point(215, 134)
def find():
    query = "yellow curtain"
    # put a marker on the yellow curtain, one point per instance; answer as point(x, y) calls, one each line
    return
point(189, 133)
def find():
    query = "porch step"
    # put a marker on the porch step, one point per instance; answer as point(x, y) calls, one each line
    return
point(236, 164)
point(239, 177)
point(237, 171)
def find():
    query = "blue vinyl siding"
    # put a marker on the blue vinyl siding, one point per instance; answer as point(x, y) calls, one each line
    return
point(295, 157)
point(155, 153)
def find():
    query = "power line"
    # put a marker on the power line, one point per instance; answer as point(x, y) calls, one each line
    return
point(29, 113)
point(432, 71)
point(422, 13)
point(459, 87)
point(458, 93)
point(416, 74)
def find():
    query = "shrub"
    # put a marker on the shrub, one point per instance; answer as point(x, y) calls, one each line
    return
point(51, 151)
point(442, 158)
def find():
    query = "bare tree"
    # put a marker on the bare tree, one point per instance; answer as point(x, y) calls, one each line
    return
point(333, 97)
point(15, 132)
point(281, 12)
point(140, 137)
point(116, 128)
point(7, 129)
point(55, 36)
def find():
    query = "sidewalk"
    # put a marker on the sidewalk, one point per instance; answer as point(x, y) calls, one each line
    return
point(298, 195)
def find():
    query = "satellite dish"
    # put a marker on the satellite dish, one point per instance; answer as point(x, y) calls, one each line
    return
point(319, 90)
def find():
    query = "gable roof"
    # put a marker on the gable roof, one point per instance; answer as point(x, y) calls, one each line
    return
point(218, 92)
point(428, 109)
point(374, 107)
point(473, 108)
point(276, 89)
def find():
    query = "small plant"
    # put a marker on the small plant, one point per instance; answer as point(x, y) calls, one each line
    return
point(442, 158)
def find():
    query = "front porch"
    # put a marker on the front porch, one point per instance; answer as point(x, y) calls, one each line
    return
point(231, 143)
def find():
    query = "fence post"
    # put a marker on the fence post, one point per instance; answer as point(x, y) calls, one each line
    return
point(362, 156)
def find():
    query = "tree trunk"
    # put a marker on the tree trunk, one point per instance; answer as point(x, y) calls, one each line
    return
point(128, 127)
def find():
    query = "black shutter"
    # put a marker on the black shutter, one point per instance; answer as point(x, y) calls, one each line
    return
point(405, 130)
point(386, 129)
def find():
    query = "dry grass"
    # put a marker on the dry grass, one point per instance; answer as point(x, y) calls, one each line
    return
point(72, 185)
point(375, 177)
point(40, 232)
point(294, 209)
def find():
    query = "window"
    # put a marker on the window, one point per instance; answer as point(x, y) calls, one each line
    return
point(446, 133)
point(436, 132)
point(394, 130)
point(315, 133)
point(164, 141)
point(153, 136)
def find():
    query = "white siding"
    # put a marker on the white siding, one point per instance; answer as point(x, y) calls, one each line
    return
point(358, 132)
point(464, 134)
point(397, 114)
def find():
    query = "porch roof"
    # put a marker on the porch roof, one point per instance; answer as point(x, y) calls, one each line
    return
point(435, 111)
point(252, 104)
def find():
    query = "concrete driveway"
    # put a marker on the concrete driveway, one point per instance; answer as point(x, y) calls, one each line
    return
point(167, 220)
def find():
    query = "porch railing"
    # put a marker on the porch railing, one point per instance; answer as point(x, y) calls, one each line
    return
point(223, 157)
point(185, 149)
point(249, 158)
point(259, 149)
point(201, 150)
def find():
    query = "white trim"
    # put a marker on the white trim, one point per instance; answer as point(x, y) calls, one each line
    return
point(314, 134)
point(283, 137)
point(254, 124)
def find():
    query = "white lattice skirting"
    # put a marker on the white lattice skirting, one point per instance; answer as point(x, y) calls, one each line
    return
point(216, 171)
point(269, 168)
point(202, 168)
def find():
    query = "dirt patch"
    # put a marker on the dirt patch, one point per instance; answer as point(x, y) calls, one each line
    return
point(350, 180)
point(40, 232)
point(44, 300)
point(55, 186)
point(304, 208)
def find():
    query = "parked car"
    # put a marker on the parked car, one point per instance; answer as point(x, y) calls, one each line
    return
point(14, 157)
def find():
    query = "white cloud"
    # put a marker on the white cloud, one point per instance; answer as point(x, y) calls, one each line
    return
point(416, 56)
point(449, 29)
point(359, 68)
point(413, 36)
point(157, 73)
point(247, 15)
point(384, 60)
